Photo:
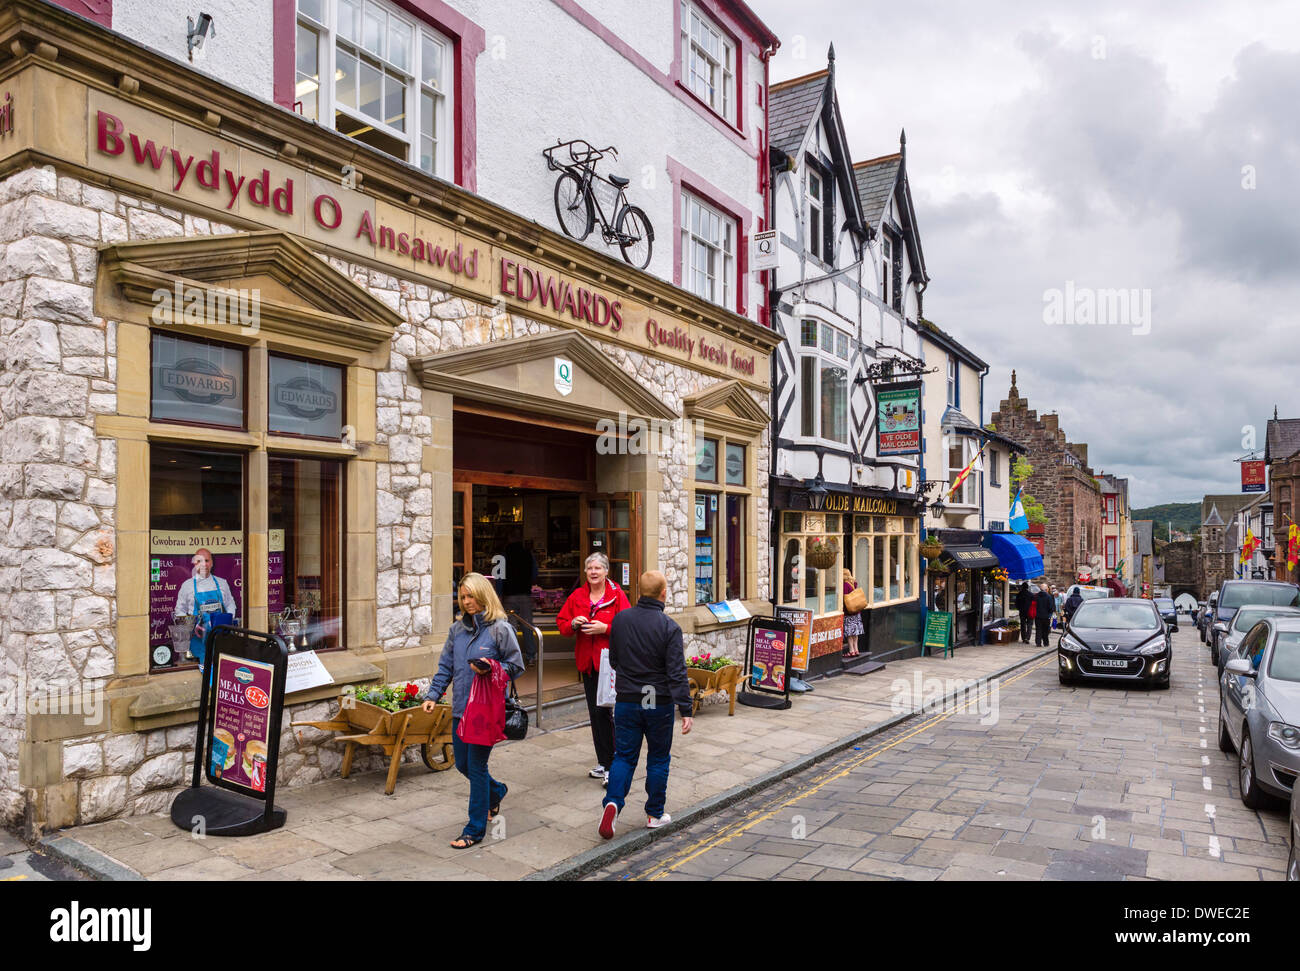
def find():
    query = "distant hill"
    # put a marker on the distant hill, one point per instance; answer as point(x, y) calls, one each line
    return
point(1184, 515)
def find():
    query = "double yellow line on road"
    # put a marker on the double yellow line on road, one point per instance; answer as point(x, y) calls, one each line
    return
point(752, 819)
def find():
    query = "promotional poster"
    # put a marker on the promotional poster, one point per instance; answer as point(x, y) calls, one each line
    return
point(171, 553)
point(240, 723)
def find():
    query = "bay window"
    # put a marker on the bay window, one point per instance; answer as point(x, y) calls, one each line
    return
point(824, 382)
point(708, 62)
point(708, 242)
point(961, 452)
point(811, 561)
point(379, 76)
point(885, 558)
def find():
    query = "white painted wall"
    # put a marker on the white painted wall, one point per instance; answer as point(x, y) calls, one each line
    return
point(239, 53)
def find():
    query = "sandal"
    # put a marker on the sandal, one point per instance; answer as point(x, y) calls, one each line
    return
point(495, 811)
point(463, 843)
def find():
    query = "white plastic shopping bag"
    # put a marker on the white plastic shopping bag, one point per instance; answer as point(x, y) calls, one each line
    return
point(605, 685)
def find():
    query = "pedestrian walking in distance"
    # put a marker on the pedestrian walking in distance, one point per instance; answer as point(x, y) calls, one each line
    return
point(1044, 604)
point(1023, 597)
point(587, 615)
point(645, 650)
point(1072, 603)
point(481, 634)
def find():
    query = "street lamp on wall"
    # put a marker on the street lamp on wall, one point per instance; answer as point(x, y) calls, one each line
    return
point(817, 493)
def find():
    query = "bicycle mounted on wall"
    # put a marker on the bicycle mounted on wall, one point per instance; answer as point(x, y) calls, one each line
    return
point(578, 193)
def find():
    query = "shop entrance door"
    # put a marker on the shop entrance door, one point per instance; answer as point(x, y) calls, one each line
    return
point(612, 526)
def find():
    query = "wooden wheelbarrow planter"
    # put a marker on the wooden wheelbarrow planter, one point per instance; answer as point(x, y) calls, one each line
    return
point(705, 683)
point(396, 731)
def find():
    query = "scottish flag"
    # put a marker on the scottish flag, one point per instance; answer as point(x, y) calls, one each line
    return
point(1018, 521)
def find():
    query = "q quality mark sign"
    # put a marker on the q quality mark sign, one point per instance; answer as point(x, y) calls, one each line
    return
point(763, 254)
point(563, 376)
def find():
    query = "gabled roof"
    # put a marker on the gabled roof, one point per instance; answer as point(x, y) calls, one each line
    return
point(1282, 440)
point(876, 179)
point(1214, 519)
point(792, 106)
point(964, 426)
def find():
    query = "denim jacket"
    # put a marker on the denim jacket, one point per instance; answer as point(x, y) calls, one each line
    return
point(470, 639)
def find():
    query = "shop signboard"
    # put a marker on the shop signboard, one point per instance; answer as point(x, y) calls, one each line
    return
point(768, 657)
point(763, 252)
point(827, 635)
point(801, 620)
point(237, 742)
point(938, 631)
point(898, 419)
point(1252, 476)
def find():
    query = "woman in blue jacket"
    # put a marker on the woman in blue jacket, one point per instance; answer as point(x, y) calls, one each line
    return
point(481, 634)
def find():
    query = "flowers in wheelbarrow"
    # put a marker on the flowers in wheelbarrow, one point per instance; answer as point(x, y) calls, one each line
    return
point(385, 696)
point(708, 662)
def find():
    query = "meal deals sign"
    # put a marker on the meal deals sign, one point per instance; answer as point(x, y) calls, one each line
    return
point(898, 420)
point(241, 723)
point(172, 158)
point(767, 665)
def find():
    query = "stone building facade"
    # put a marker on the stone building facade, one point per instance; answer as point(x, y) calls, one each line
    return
point(92, 724)
point(1063, 483)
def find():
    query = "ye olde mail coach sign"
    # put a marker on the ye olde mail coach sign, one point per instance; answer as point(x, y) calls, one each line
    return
point(128, 142)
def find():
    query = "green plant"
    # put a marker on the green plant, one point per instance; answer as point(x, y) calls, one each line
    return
point(708, 662)
point(386, 696)
point(1021, 470)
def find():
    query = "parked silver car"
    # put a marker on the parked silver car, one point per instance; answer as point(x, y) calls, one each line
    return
point(1293, 863)
point(1229, 633)
point(1259, 709)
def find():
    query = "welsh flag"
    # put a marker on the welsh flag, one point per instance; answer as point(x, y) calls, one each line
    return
point(1249, 546)
point(965, 473)
point(1292, 546)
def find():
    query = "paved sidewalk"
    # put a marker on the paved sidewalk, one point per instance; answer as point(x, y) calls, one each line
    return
point(348, 829)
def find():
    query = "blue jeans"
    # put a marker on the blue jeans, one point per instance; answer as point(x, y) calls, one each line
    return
point(631, 724)
point(484, 791)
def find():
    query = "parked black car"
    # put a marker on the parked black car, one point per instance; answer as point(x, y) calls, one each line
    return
point(1168, 612)
point(1120, 639)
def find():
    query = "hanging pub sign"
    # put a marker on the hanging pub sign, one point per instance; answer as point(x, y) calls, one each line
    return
point(237, 743)
point(898, 419)
point(1252, 476)
point(768, 658)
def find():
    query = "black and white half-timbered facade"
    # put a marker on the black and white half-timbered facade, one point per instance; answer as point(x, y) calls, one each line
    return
point(846, 297)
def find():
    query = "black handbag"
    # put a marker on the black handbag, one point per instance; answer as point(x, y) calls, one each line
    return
point(516, 716)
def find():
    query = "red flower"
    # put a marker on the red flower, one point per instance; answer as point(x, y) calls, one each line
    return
point(412, 689)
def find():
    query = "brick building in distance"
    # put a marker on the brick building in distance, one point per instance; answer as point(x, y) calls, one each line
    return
point(1063, 483)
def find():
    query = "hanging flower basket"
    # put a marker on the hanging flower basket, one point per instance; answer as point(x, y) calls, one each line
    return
point(822, 553)
point(930, 548)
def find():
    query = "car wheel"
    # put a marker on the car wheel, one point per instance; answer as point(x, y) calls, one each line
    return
point(1064, 680)
point(1225, 740)
point(1251, 796)
point(1164, 685)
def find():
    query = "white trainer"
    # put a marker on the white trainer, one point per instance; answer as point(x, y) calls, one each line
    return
point(652, 823)
point(598, 772)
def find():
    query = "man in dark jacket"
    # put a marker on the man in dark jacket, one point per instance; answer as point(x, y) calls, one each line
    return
point(1022, 608)
point(645, 651)
point(1045, 606)
point(1072, 604)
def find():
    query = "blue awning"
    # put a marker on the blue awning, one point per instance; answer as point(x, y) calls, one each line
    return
point(1019, 557)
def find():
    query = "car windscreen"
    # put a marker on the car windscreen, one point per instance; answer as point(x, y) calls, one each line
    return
point(1245, 619)
point(1164, 604)
point(1113, 616)
point(1236, 594)
point(1094, 594)
point(1285, 665)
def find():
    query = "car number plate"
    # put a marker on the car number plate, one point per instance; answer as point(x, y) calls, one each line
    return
point(1110, 662)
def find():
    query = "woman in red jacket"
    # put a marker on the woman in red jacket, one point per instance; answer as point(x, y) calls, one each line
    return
point(587, 615)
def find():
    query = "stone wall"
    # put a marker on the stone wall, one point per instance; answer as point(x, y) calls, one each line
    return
point(1071, 497)
point(58, 494)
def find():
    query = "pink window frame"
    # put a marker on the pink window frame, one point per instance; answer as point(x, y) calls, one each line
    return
point(701, 188)
point(468, 42)
point(678, 70)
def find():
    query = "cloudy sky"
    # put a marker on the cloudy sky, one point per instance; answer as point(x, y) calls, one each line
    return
point(1150, 146)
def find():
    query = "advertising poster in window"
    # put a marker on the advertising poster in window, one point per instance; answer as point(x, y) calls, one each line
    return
point(898, 420)
point(801, 620)
point(827, 635)
point(241, 723)
point(768, 672)
point(275, 572)
point(178, 560)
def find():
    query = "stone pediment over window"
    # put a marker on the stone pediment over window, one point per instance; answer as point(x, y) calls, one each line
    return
point(522, 375)
point(299, 294)
point(727, 406)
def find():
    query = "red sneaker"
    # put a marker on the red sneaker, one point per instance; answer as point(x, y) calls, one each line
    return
point(607, 821)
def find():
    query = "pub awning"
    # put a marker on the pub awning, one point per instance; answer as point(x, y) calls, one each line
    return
point(1019, 557)
point(967, 557)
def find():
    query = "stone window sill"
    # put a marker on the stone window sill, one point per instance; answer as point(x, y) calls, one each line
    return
point(174, 700)
point(700, 620)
